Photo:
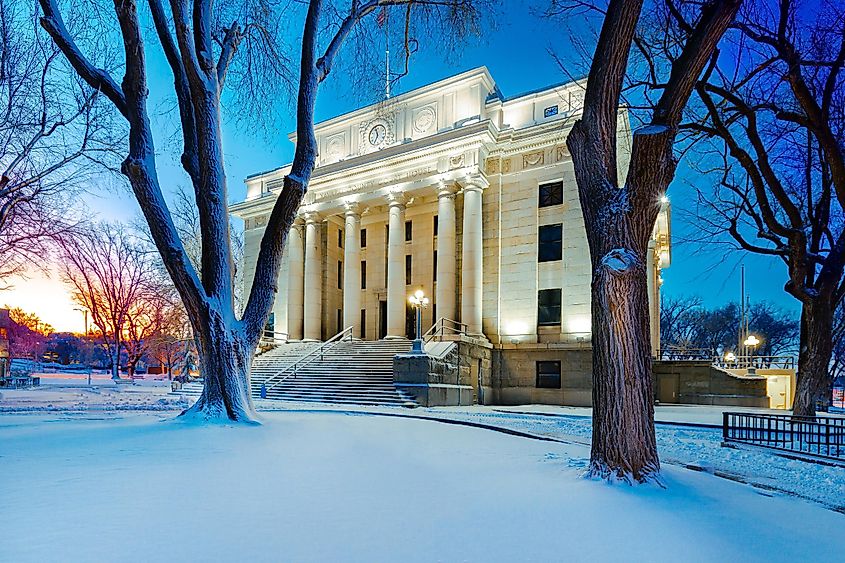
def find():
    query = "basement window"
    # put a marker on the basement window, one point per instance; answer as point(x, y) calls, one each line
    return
point(548, 375)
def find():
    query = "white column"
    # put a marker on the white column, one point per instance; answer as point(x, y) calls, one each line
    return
point(653, 292)
point(352, 271)
point(471, 260)
point(444, 296)
point(396, 267)
point(296, 281)
point(313, 278)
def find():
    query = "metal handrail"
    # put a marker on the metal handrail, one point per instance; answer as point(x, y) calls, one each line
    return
point(271, 336)
point(308, 358)
point(443, 324)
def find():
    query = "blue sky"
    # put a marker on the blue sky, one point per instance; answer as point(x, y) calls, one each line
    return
point(517, 54)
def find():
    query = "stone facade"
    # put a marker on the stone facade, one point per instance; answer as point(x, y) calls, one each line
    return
point(448, 183)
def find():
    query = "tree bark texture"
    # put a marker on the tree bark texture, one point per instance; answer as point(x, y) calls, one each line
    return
point(814, 357)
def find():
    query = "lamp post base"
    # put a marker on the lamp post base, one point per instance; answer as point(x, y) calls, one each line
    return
point(417, 346)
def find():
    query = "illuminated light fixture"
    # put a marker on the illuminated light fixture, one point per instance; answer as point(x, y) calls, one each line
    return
point(664, 198)
point(419, 301)
point(730, 357)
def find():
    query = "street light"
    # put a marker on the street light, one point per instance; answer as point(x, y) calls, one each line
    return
point(419, 301)
point(730, 357)
point(751, 342)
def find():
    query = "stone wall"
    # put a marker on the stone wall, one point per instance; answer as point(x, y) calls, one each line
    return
point(515, 371)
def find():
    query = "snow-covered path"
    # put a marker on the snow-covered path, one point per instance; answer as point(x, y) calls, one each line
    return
point(332, 486)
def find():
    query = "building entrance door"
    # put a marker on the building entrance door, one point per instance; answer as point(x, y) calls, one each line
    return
point(382, 319)
point(410, 322)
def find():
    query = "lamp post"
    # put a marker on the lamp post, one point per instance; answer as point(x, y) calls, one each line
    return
point(751, 342)
point(419, 301)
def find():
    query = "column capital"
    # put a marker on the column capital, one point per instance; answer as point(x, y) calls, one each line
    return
point(396, 199)
point(352, 209)
point(446, 191)
point(475, 182)
point(312, 217)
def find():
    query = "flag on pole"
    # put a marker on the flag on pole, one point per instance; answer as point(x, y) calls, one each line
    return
point(382, 16)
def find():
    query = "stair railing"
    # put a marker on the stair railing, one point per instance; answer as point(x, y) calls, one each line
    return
point(317, 353)
point(443, 327)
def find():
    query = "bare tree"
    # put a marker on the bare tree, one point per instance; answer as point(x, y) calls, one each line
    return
point(201, 51)
point(108, 273)
point(620, 217)
point(52, 128)
point(773, 108)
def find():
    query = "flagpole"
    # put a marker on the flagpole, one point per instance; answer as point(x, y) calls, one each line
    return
point(386, 55)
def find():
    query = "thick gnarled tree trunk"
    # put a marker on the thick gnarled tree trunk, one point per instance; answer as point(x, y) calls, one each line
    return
point(814, 357)
point(623, 399)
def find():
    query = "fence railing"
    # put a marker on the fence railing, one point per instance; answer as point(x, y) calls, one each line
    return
point(818, 436)
point(758, 362)
point(444, 327)
point(273, 337)
point(311, 356)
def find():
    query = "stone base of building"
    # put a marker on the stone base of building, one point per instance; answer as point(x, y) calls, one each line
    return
point(514, 375)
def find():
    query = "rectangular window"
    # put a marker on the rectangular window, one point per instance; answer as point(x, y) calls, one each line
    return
point(407, 269)
point(548, 375)
point(436, 225)
point(363, 238)
point(339, 320)
point(363, 274)
point(548, 307)
point(551, 194)
point(550, 111)
point(339, 274)
point(340, 238)
point(409, 230)
point(551, 243)
point(364, 324)
point(434, 260)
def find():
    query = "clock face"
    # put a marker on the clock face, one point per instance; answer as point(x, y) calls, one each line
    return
point(377, 134)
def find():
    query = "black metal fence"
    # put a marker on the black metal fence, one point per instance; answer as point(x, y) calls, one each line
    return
point(818, 436)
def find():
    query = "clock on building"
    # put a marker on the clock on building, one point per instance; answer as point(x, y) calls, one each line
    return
point(377, 134)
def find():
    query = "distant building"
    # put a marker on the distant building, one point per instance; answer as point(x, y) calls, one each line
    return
point(465, 194)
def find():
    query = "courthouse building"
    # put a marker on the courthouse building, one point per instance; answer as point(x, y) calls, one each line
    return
point(468, 195)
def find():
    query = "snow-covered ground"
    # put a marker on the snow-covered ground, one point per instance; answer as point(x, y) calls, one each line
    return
point(71, 392)
point(354, 487)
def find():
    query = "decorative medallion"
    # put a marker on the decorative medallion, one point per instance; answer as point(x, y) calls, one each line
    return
point(456, 161)
point(425, 119)
point(334, 148)
point(532, 159)
point(259, 221)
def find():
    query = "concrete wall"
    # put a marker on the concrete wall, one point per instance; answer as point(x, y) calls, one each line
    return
point(699, 383)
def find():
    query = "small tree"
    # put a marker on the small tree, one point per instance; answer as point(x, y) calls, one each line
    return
point(200, 42)
point(107, 272)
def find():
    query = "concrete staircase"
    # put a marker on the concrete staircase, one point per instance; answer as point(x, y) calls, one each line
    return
point(349, 372)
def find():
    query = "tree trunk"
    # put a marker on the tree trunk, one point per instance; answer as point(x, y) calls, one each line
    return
point(624, 444)
point(226, 360)
point(814, 356)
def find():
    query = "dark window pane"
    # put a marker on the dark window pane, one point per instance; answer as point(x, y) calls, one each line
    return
point(435, 265)
point(363, 274)
point(548, 307)
point(340, 238)
point(548, 375)
point(409, 230)
point(407, 269)
point(551, 194)
point(364, 324)
point(339, 274)
point(363, 238)
point(435, 225)
point(551, 243)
